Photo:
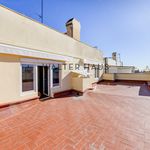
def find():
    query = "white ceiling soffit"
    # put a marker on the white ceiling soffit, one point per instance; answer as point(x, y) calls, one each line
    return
point(92, 62)
point(39, 61)
point(7, 49)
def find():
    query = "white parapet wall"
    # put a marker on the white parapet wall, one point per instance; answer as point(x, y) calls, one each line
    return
point(127, 76)
point(133, 76)
point(109, 76)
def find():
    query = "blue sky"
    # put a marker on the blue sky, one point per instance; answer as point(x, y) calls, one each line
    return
point(111, 25)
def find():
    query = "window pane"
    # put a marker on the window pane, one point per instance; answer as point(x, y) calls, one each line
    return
point(27, 77)
point(55, 74)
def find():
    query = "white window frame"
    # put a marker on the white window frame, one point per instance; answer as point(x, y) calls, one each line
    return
point(35, 79)
point(24, 93)
point(60, 75)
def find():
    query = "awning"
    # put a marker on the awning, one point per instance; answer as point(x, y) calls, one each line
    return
point(6, 49)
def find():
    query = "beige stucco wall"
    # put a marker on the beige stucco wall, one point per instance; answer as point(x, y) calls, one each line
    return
point(20, 31)
point(82, 84)
point(127, 76)
point(71, 80)
point(133, 76)
point(79, 86)
point(65, 82)
point(109, 76)
point(66, 76)
point(10, 80)
point(123, 69)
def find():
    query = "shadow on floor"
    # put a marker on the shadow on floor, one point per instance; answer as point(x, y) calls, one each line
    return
point(144, 91)
point(120, 82)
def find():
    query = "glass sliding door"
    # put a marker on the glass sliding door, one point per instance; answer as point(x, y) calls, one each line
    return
point(46, 81)
point(43, 81)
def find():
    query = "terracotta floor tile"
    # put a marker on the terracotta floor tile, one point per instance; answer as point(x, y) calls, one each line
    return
point(99, 120)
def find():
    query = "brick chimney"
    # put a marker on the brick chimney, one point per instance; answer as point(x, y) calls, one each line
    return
point(73, 28)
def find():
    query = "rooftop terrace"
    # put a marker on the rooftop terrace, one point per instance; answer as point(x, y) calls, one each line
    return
point(111, 117)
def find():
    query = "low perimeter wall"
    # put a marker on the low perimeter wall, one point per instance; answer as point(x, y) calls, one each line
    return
point(127, 76)
point(109, 76)
point(81, 84)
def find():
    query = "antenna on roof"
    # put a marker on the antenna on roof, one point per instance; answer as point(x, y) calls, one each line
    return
point(119, 57)
point(42, 11)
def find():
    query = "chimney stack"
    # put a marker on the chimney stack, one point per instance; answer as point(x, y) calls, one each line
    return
point(114, 55)
point(73, 28)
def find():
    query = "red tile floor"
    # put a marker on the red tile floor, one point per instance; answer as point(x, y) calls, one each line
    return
point(98, 120)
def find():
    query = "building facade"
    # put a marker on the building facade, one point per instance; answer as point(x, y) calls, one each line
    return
point(32, 56)
point(115, 65)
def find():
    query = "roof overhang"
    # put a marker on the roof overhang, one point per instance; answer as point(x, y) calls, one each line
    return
point(13, 50)
point(39, 61)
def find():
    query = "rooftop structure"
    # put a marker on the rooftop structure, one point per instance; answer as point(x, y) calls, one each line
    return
point(115, 65)
point(73, 28)
point(28, 52)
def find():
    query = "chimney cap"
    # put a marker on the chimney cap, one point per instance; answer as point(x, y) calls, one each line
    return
point(70, 21)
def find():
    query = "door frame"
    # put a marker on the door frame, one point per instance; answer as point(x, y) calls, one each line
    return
point(49, 76)
point(48, 80)
point(36, 63)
